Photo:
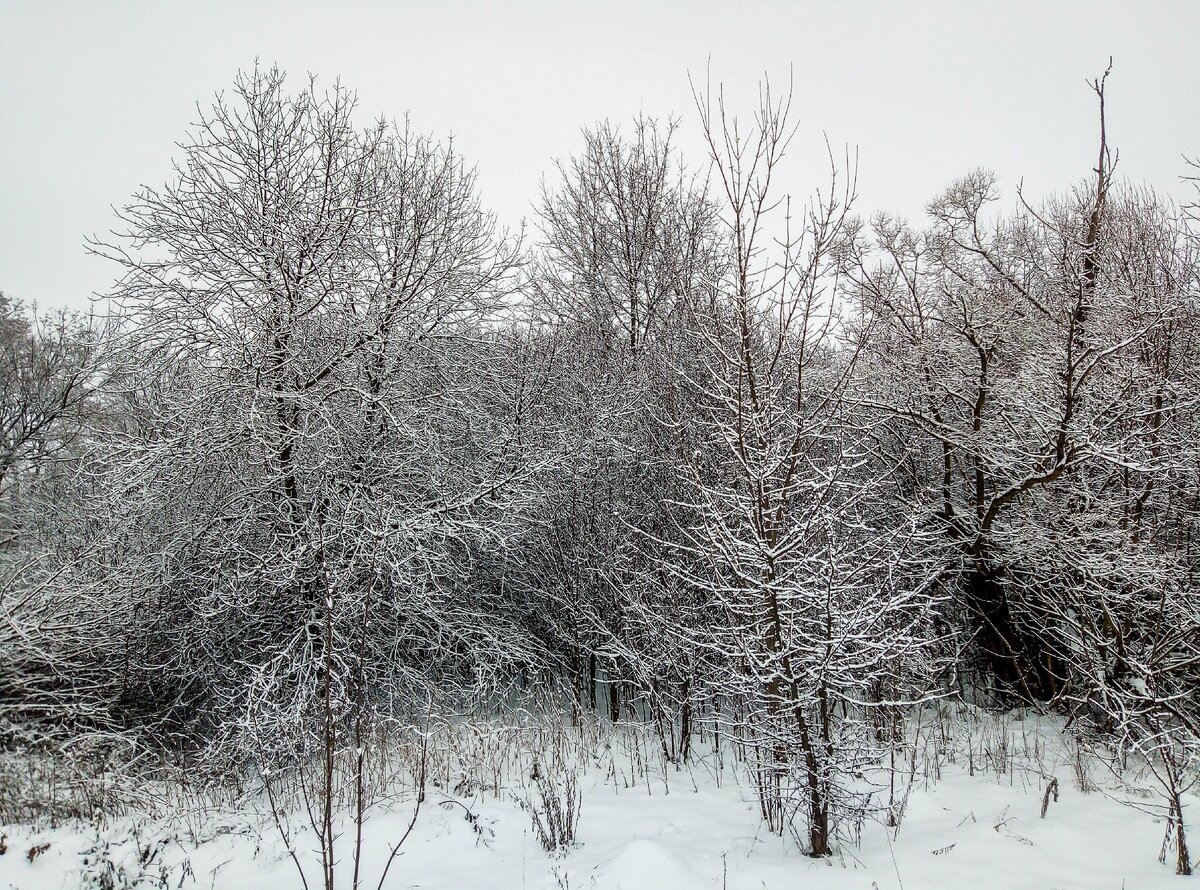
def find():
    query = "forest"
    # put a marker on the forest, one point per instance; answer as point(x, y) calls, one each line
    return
point(346, 500)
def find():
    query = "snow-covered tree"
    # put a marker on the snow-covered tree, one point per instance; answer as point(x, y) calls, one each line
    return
point(816, 595)
point(322, 425)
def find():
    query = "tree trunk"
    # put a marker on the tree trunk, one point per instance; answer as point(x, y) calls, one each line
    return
point(1018, 660)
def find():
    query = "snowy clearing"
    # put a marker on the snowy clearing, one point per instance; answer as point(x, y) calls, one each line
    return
point(643, 827)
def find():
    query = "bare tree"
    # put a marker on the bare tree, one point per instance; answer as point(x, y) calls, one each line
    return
point(628, 256)
point(323, 433)
point(1047, 361)
point(50, 368)
point(816, 598)
point(627, 236)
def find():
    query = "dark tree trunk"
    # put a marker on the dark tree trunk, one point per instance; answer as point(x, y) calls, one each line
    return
point(592, 681)
point(1019, 660)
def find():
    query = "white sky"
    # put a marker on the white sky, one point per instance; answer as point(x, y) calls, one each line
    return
point(94, 95)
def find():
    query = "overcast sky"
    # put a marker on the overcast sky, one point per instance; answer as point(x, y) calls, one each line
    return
point(96, 94)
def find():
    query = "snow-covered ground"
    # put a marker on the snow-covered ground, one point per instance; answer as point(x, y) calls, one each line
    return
point(698, 828)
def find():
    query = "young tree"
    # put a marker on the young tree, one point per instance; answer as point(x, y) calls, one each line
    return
point(817, 597)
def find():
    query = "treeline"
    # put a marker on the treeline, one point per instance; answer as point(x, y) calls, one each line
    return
point(344, 451)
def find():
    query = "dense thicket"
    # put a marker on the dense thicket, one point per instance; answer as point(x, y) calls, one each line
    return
point(344, 450)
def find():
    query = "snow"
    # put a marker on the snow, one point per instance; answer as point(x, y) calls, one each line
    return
point(646, 865)
point(697, 829)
